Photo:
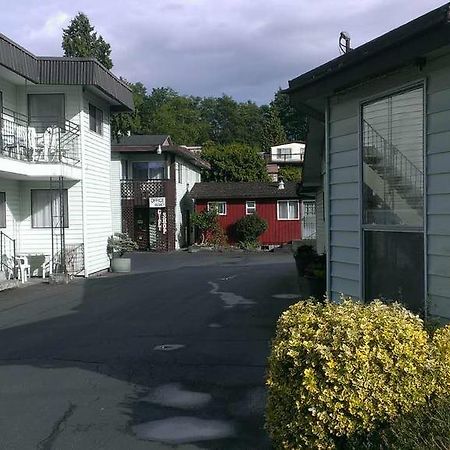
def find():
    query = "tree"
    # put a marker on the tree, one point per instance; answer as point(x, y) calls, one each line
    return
point(293, 121)
point(124, 123)
point(272, 131)
point(234, 162)
point(290, 173)
point(206, 222)
point(80, 40)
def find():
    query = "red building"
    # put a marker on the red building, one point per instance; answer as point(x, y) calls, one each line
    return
point(277, 203)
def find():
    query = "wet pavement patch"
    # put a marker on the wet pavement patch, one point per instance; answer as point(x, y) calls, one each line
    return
point(168, 347)
point(215, 325)
point(182, 430)
point(230, 299)
point(173, 395)
point(287, 296)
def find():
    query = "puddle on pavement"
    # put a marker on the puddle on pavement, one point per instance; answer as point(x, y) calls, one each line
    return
point(231, 277)
point(182, 430)
point(173, 395)
point(168, 347)
point(215, 325)
point(286, 296)
point(229, 298)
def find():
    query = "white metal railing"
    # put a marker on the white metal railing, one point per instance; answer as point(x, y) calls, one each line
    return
point(39, 140)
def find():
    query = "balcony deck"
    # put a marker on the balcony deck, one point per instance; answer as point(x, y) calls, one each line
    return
point(40, 140)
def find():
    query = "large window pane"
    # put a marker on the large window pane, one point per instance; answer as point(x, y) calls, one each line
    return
point(393, 151)
point(143, 171)
point(44, 202)
point(394, 267)
point(46, 110)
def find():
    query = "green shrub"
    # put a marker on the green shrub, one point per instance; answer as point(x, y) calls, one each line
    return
point(120, 243)
point(339, 370)
point(249, 229)
point(206, 222)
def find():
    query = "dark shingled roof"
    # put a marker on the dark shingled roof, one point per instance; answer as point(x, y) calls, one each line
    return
point(245, 190)
point(141, 140)
point(148, 143)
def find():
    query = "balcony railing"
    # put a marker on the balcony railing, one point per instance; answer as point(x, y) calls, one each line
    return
point(40, 140)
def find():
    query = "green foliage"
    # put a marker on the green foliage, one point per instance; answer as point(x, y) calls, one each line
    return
point(234, 162)
point(272, 132)
point(293, 121)
point(343, 370)
point(290, 173)
point(249, 229)
point(120, 243)
point(80, 40)
point(206, 222)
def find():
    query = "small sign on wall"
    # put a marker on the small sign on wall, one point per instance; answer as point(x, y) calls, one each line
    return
point(157, 202)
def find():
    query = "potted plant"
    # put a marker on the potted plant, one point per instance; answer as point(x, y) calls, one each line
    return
point(118, 245)
point(311, 269)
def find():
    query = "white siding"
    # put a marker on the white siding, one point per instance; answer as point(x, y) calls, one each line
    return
point(96, 158)
point(190, 176)
point(116, 206)
point(13, 217)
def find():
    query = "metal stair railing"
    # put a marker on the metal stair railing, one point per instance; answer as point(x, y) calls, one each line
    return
point(8, 255)
point(395, 164)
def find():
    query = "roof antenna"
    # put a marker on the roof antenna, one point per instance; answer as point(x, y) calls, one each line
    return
point(344, 42)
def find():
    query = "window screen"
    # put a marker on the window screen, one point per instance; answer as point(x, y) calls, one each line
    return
point(288, 210)
point(250, 207)
point(393, 160)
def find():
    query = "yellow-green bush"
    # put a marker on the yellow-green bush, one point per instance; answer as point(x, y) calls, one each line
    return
point(338, 370)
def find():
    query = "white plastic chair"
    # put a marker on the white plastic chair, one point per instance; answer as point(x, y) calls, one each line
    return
point(47, 266)
point(24, 268)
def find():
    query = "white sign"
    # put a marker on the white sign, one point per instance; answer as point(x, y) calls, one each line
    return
point(157, 202)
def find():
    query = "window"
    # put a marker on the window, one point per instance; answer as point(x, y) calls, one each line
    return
point(288, 210)
point(180, 172)
point(147, 170)
point(2, 210)
point(284, 153)
point(46, 110)
point(124, 169)
point(250, 207)
point(95, 119)
point(44, 204)
point(393, 198)
point(220, 207)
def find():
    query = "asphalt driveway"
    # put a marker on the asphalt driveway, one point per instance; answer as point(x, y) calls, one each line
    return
point(170, 356)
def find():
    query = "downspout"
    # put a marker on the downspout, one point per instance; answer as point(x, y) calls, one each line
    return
point(326, 191)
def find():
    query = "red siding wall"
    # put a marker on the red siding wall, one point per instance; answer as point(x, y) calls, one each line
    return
point(278, 231)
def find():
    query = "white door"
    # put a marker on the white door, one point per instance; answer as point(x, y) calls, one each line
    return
point(308, 219)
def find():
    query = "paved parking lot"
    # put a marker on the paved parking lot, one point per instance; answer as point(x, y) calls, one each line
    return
point(170, 356)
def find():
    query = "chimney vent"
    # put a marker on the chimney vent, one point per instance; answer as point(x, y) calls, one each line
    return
point(281, 184)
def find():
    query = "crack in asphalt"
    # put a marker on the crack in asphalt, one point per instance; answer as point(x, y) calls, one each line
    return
point(47, 443)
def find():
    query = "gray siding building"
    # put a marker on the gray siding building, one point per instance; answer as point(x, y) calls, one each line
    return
point(378, 158)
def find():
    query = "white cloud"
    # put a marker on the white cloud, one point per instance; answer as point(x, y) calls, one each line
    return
point(247, 48)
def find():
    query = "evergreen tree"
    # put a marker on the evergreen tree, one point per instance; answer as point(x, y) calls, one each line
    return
point(80, 40)
point(272, 131)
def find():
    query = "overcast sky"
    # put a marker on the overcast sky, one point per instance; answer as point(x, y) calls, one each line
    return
point(244, 48)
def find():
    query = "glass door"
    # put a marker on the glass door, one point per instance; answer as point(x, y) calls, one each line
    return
point(393, 198)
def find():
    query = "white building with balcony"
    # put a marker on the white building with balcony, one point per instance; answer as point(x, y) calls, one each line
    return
point(291, 154)
point(55, 159)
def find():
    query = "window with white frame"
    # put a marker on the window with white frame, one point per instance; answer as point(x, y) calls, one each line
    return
point(46, 203)
point(288, 210)
point(250, 207)
point(95, 119)
point(220, 207)
point(284, 153)
point(2, 210)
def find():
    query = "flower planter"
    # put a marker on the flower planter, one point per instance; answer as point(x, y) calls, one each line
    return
point(121, 265)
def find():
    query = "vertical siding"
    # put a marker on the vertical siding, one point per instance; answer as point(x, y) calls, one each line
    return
point(343, 197)
point(278, 232)
point(116, 203)
point(438, 191)
point(96, 152)
point(9, 93)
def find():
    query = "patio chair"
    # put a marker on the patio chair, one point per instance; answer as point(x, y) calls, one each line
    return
point(24, 268)
point(47, 266)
